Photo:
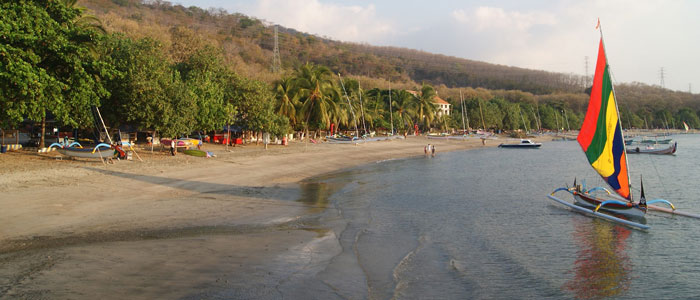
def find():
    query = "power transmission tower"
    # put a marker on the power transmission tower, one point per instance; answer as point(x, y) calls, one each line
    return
point(586, 81)
point(276, 61)
point(690, 91)
point(661, 76)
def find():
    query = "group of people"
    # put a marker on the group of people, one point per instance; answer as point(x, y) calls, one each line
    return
point(429, 149)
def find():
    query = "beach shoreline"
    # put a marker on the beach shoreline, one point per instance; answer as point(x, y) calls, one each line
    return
point(135, 211)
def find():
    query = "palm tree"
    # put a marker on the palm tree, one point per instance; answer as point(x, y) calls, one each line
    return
point(403, 103)
point(287, 100)
point(85, 21)
point(316, 89)
point(342, 115)
point(376, 114)
point(425, 107)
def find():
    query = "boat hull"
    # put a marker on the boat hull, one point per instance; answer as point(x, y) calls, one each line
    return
point(592, 202)
point(198, 153)
point(86, 152)
point(639, 150)
point(600, 215)
point(520, 145)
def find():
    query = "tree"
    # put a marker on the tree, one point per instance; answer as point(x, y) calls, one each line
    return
point(147, 92)
point(206, 79)
point(689, 117)
point(403, 102)
point(316, 89)
point(46, 64)
point(287, 100)
point(425, 106)
point(254, 101)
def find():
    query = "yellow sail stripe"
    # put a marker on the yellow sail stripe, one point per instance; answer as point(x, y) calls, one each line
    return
point(604, 164)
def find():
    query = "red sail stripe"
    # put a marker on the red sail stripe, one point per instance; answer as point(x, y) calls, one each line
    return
point(624, 190)
point(590, 122)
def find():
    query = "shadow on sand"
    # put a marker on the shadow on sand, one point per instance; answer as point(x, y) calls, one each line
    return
point(311, 194)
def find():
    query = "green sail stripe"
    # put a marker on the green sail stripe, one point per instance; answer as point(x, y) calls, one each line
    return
point(595, 149)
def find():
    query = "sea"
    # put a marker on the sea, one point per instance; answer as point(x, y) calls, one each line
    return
point(477, 225)
point(471, 224)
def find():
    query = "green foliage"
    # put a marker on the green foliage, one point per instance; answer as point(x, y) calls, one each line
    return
point(148, 92)
point(254, 102)
point(47, 64)
point(316, 91)
point(689, 117)
point(206, 79)
point(425, 110)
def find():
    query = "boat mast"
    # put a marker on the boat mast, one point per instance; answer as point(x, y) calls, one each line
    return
point(391, 114)
point(461, 103)
point(354, 118)
point(362, 110)
point(483, 123)
point(523, 118)
point(619, 121)
point(537, 122)
point(539, 118)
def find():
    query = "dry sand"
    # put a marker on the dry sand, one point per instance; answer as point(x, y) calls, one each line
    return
point(171, 227)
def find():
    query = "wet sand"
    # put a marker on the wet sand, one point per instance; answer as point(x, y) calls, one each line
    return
point(236, 226)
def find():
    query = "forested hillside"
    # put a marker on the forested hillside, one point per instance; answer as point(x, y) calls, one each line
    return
point(157, 66)
point(247, 44)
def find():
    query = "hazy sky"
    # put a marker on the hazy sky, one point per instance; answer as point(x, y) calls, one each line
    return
point(641, 36)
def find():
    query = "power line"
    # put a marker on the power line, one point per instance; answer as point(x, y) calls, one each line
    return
point(586, 80)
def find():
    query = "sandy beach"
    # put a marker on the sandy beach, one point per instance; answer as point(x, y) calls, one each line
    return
point(172, 227)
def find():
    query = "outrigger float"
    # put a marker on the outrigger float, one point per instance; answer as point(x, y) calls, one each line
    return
point(601, 139)
point(76, 150)
point(591, 202)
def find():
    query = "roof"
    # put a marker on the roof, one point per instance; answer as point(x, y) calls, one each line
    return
point(436, 99)
point(439, 100)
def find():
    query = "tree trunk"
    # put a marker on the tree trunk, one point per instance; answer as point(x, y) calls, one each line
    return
point(43, 130)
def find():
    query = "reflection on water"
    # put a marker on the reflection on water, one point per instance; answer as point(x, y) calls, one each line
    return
point(602, 267)
point(315, 194)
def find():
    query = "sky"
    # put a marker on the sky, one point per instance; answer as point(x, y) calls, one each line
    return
point(644, 39)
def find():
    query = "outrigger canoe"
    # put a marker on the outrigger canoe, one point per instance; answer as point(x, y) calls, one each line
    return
point(99, 151)
point(602, 140)
point(649, 149)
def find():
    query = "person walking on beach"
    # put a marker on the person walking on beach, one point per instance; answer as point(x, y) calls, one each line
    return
point(432, 150)
point(426, 149)
point(172, 147)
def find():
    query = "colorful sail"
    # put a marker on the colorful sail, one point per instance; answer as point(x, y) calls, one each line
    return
point(686, 126)
point(601, 134)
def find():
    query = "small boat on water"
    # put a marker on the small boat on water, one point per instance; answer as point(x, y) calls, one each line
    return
point(652, 149)
point(647, 140)
point(524, 143)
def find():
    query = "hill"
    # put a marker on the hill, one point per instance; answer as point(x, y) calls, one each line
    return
point(247, 44)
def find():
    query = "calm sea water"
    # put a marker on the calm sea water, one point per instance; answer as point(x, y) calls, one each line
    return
point(477, 224)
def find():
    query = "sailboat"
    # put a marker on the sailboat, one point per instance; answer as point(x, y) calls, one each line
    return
point(602, 141)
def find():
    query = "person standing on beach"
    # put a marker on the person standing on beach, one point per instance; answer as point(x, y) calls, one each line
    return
point(432, 150)
point(172, 147)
